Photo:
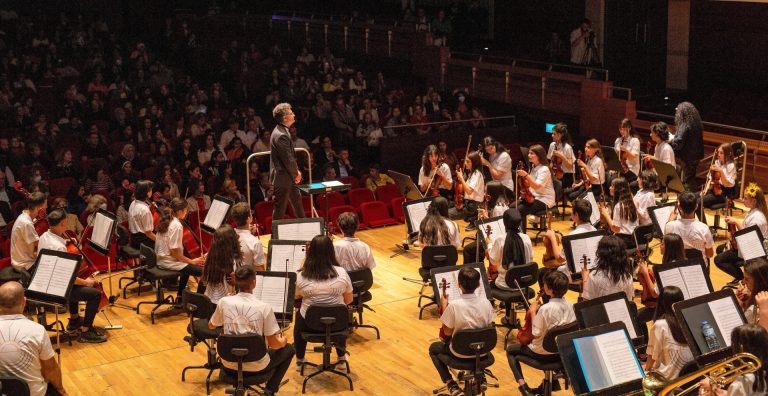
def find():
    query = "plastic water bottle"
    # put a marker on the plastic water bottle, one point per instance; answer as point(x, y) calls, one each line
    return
point(709, 336)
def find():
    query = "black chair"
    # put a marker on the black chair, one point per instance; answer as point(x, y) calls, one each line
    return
point(362, 281)
point(524, 276)
point(434, 257)
point(739, 149)
point(14, 387)
point(243, 348)
point(326, 323)
point(695, 256)
point(200, 309)
point(126, 253)
point(478, 343)
point(553, 369)
point(156, 276)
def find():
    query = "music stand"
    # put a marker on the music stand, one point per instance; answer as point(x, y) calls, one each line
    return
point(451, 275)
point(750, 242)
point(290, 251)
point(217, 214)
point(284, 315)
point(580, 247)
point(104, 224)
point(668, 178)
point(407, 187)
point(611, 159)
point(608, 309)
point(297, 229)
point(686, 274)
point(414, 212)
point(323, 189)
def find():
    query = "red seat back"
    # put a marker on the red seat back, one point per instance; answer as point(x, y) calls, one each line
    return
point(358, 196)
point(60, 186)
point(351, 180)
point(335, 212)
point(387, 193)
point(375, 213)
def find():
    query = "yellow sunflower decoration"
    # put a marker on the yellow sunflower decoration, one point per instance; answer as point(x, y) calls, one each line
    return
point(751, 190)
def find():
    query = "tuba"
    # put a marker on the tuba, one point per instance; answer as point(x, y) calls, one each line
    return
point(721, 374)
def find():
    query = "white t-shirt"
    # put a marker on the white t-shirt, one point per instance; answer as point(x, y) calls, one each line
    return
point(756, 217)
point(729, 174)
point(695, 234)
point(445, 172)
point(23, 237)
point(567, 151)
point(664, 153)
point(251, 247)
point(669, 356)
point(217, 291)
point(468, 312)
point(644, 199)
point(171, 239)
point(51, 241)
point(496, 255)
point(140, 217)
point(329, 291)
point(243, 313)
point(632, 144)
point(546, 192)
point(24, 344)
point(625, 225)
point(454, 235)
point(742, 386)
point(556, 312)
point(502, 162)
point(599, 284)
point(477, 183)
point(353, 254)
point(597, 168)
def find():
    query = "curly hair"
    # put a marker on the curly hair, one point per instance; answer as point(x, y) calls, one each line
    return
point(612, 259)
point(223, 256)
point(687, 117)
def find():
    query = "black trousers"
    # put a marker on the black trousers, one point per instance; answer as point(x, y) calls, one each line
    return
point(516, 350)
point(470, 211)
point(279, 361)
point(729, 262)
point(710, 198)
point(527, 209)
point(190, 269)
point(301, 343)
point(471, 254)
point(91, 296)
point(436, 349)
point(689, 175)
point(140, 238)
point(285, 195)
point(581, 191)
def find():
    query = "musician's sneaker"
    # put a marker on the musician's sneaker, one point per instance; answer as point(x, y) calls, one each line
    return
point(453, 388)
point(74, 324)
point(91, 336)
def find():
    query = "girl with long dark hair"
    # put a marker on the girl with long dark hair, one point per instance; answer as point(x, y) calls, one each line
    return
point(612, 272)
point(474, 188)
point(436, 228)
point(627, 146)
point(755, 281)
point(170, 249)
point(725, 165)
point(593, 170)
point(513, 249)
point(667, 349)
point(672, 249)
point(431, 170)
point(222, 259)
point(499, 163)
point(540, 184)
point(624, 219)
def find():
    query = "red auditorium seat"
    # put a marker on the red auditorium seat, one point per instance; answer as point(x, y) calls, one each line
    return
point(387, 193)
point(334, 199)
point(359, 196)
point(351, 180)
point(336, 211)
point(397, 208)
point(263, 210)
point(376, 214)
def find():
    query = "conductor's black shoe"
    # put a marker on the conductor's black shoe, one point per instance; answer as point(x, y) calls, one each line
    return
point(91, 336)
point(74, 324)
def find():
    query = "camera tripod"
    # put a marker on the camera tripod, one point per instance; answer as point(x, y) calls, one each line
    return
point(591, 57)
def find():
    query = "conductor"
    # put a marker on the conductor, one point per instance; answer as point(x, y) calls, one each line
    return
point(283, 171)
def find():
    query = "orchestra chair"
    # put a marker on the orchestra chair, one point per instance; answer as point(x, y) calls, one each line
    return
point(326, 323)
point(157, 276)
point(351, 180)
point(433, 257)
point(14, 386)
point(524, 276)
point(243, 348)
point(126, 253)
point(362, 281)
point(739, 150)
point(7, 272)
point(199, 308)
point(472, 342)
point(551, 366)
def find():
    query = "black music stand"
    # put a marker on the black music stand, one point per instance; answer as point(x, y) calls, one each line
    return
point(412, 211)
point(595, 312)
point(217, 214)
point(406, 185)
point(611, 159)
point(323, 189)
point(668, 177)
point(568, 245)
point(104, 224)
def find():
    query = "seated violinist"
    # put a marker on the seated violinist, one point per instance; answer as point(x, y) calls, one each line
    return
point(623, 219)
point(83, 289)
point(580, 215)
point(540, 184)
point(722, 177)
point(433, 175)
point(467, 312)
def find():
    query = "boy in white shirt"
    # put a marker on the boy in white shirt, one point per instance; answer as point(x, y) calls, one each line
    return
point(24, 237)
point(250, 245)
point(352, 253)
point(695, 234)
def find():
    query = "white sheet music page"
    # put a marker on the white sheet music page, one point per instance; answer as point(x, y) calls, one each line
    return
point(272, 291)
point(673, 277)
point(695, 281)
point(595, 217)
point(299, 231)
point(750, 246)
point(43, 274)
point(416, 213)
point(102, 225)
point(497, 229)
point(619, 357)
point(662, 215)
point(62, 273)
point(216, 214)
point(452, 285)
point(617, 312)
point(293, 255)
point(726, 316)
point(585, 247)
point(332, 183)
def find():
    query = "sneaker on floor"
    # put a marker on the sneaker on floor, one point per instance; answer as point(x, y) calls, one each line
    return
point(453, 388)
point(74, 324)
point(299, 364)
point(91, 336)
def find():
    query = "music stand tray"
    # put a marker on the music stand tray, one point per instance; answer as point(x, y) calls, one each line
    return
point(611, 158)
point(406, 185)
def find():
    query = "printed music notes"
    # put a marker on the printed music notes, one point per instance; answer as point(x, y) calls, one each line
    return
point(617, 312)
point(415, 211)
point(272, 290)
point(497, 227)
point(286, 256)
point(750, 243)
point(297, 229)
point(726, 316)
point(607, 359)
point(217, 213)
point(688, 276)
point(53, 276)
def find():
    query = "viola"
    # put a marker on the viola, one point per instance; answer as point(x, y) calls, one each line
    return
point(624, 157)
point(717, 188)
point(557, 166)
point(524, 187)
point(155, 215)
point(437, 181)
point(584, 176)
point(443, 288)
point(649, 147)
point(525, 333)
point(646, 297)
point(731, 227)
point(493, 271)
point(458, 192)
point(548, 259)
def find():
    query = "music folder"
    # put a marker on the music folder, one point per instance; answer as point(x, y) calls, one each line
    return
point(285, 255)
point(297, 229)
point(414, 212)
point(750, 242)
point(608, 309)
point(659, 215)
point(53, 275)
point(689, 276)
point(450, 275)
point(611, 159)
point(721, 311)
point(104, 224)
point(580, 249)
point(600, 360)
point(217, 214)
point(278, 290)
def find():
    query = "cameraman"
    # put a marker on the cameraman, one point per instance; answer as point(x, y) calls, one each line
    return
point(580, 40)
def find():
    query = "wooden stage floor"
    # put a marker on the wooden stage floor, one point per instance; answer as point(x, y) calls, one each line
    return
point(145, 359)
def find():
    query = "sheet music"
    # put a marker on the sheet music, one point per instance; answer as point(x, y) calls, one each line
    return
point(595, 217)
point(497, 229)
point(299, 231)
point(272, 291)
point(53, 275)
point(673, 277)
point(617, 312)
point(215, 217)
point(662, 215)
point(294, 254)
point(102, 225)
point(452, 285)
point(695, 282)
point(332, 183)
point(585, 247)
point(750, 246)
point(619, 357)
point(416, 213)
point(726, 316)
point(43, 274)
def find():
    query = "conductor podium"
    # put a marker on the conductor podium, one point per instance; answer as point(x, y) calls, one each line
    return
point(324, 188)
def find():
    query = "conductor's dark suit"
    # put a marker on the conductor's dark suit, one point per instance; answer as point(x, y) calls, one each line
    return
point(282, 172)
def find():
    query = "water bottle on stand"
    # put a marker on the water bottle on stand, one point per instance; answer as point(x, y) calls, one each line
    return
point(709, 336)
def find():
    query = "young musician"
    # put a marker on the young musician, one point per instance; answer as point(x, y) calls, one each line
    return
point(243, 313)
point(749, 338)
point(561, 149)
point(250, 245)
point(467, 312)
point(351, 252)
point(627, 146)
point(474, 188)
point(667, 349)
point(612, 272)
point(755, 281)
point(170, 250)
point(580, 215)
point(436, 228)
point(539, 182)
point(662, 151)
point(321, 280)
point(223, 258)
point(498, 203)
point(140, 221)
point(24, 237)
point(645, 197)
point(672, 249)
point(592, 170)
point(726, 167)
point(82, 290)
point(434, 174)
point(624, 219)
point(514, 249)
point(695, 234)
point(499, 162)
point(728, 260)
point(556, 312)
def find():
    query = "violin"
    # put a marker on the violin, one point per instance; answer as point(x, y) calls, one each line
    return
point(458, 193)
point(525, 333)
point(443, 287)
point(437, 181)
point(649, 147)
point(557, 167)
point(731, 244)
point(40, 219)
point(623, 156)
point(584, 176)
point(524, 187)
point(646, 297)
point(493, 271)
point(713, 179)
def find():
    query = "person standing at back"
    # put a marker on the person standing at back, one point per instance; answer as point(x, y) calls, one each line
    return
point(688, 142)
point(283, 170)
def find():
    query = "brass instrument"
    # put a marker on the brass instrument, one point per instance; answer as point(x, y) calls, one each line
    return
point(721, 374)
